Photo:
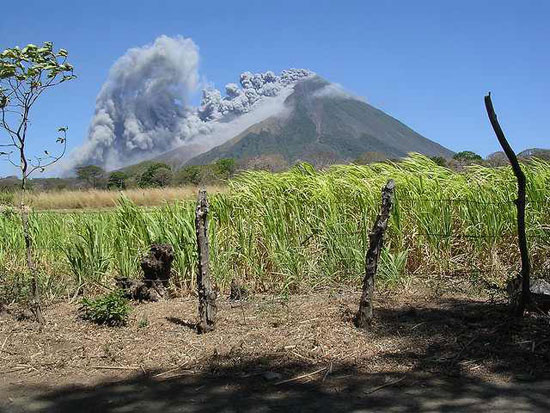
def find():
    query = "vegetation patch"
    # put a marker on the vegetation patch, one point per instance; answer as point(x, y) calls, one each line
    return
point(112, 309)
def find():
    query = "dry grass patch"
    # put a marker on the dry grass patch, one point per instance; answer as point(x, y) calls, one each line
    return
point(97, 198)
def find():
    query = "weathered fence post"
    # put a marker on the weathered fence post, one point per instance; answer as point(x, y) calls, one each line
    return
point(207, 296)
point(525, 298)
point(376, 239)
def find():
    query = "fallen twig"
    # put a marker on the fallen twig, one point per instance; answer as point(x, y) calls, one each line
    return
point(17, 368)
point(303, 376)
point(385, 385)
point(327, 372)
point(5, 341)
point(183, 373)
point(116, 367)
point(171, 370)
point(418, 325)
point(308, 321)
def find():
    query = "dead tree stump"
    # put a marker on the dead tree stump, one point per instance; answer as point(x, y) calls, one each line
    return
point(207, 295)
point(519, 301)
point(157, 268)
point(364, 315)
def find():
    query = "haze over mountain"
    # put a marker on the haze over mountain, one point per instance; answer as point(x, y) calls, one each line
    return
point(319, 123)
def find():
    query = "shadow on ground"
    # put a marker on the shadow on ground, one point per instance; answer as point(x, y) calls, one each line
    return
point(461, 333)
point(440, 378)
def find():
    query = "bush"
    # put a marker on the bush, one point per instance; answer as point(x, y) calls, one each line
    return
point(117, 180)
point(189, 175)
point(112, 309)
point(92, 174)
point(219, 171)
point(439, 160)
point(225, 168)
point(156, 175)
point(467, 157)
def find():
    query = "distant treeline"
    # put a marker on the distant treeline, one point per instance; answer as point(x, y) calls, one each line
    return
point(150, 174)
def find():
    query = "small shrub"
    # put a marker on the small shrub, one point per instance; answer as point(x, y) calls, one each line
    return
point(112, 309)
point(392, 267)
point(144, 322)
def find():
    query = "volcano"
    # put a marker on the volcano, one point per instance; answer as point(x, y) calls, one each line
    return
point(319, 123)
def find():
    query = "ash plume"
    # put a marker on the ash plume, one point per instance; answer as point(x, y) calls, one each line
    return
point(143, 110)
point(142, 107)
point(254, 87)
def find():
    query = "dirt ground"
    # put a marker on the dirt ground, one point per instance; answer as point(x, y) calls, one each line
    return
point(426, 351)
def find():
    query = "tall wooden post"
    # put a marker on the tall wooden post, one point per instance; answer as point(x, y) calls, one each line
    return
point(376, 239)
point(525, 297)
point(207, 296)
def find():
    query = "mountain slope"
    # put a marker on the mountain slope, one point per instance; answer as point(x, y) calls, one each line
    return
point(535, 153)
point(323, 122)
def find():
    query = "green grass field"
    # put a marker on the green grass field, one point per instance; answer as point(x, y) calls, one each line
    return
point(297, 230)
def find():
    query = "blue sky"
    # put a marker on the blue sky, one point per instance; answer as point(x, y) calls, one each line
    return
point(427, 63)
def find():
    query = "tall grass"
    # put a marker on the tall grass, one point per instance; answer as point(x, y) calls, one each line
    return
point(298, 229)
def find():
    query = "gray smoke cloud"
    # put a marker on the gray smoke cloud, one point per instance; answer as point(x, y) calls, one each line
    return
point(222, 131)
point(143, 109)
point(254, 87)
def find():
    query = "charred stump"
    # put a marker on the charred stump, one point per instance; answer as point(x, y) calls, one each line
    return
point(364, 315)
point(207, 295)
point(157, 268)
point(157, 265)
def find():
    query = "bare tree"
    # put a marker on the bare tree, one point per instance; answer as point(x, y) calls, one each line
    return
point(519, 303)
point(25, 74)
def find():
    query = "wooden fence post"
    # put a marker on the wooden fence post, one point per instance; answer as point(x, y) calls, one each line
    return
point(525, 297)
point(376, 239)
point(207, 296)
